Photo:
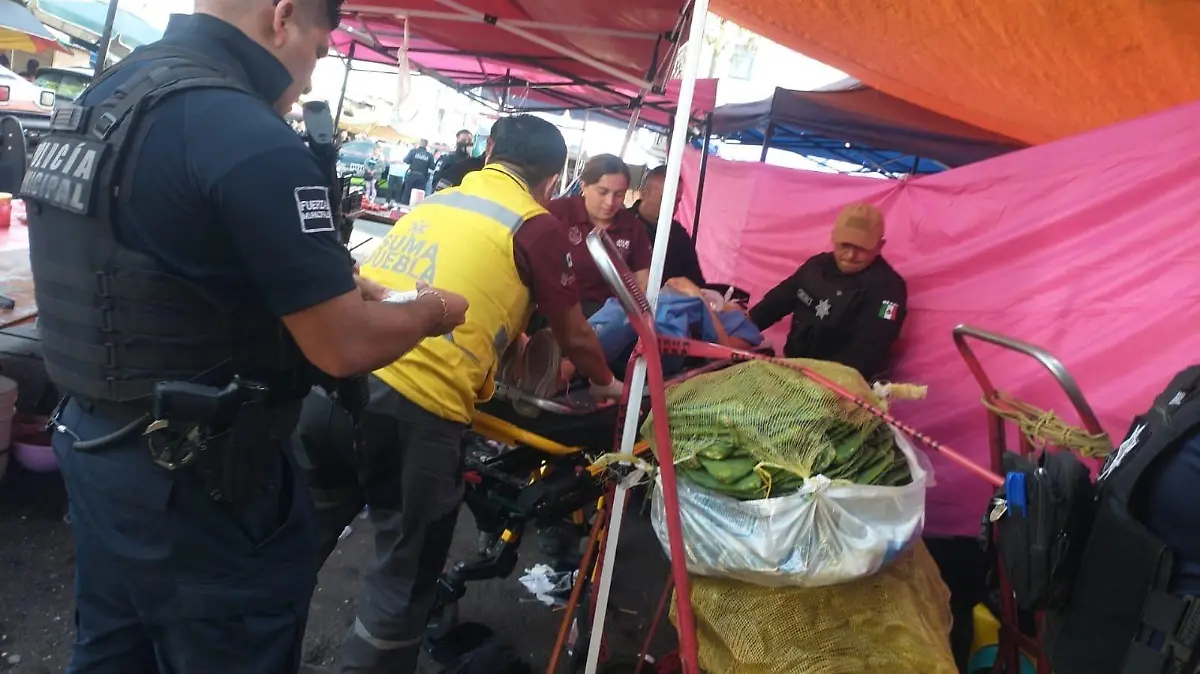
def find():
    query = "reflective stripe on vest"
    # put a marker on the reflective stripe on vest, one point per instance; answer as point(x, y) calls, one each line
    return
point(479, 206)
point(461, 240)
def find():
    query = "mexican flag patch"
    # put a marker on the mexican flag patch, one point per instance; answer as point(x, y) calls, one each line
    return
point(888, 311)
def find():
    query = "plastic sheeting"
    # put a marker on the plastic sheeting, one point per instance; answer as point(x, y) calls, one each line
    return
point(825, 533)
point(1030, 69)
point(1085, 247)
point(863, 126)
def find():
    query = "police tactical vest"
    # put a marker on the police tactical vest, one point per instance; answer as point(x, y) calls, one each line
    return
point(112, 320)
point(422, 161)
point(1120, 602)
point(460, 239)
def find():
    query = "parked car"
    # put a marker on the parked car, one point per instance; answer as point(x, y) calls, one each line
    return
point(28, 102)
point(66, 83)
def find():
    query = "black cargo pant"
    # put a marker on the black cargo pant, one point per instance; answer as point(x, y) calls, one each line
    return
point(169, 580)
point(415, 181)
point(410, 477)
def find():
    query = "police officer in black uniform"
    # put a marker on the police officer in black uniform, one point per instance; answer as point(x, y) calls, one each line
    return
point(847, 306)
point(189, 277)
point(1134, 606)
point(464, 141)
point(420, 162)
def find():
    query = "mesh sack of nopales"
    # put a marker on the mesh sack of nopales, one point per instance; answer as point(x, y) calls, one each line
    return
point(784, 482)
point(894, 622)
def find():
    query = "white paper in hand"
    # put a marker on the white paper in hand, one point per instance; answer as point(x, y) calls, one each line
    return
point(397, 297)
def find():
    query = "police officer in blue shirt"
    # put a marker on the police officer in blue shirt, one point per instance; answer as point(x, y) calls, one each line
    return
point(420, 163)
point(191, 289)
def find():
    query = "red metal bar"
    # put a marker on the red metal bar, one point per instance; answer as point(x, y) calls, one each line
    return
point(686, 627)
point(577, 590)
point(688, 647)
point(658, 614)
point(691, 347)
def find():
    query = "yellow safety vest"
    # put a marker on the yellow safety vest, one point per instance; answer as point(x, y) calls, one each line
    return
point(461, 240)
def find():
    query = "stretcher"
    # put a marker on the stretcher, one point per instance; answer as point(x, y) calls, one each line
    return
point(532, 471)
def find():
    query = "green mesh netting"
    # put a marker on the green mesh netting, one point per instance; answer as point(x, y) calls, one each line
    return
point(759, 429)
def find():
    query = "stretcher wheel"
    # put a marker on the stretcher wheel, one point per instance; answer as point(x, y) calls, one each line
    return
point(442, 621)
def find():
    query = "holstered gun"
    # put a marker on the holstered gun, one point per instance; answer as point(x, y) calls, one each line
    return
point(225, 432)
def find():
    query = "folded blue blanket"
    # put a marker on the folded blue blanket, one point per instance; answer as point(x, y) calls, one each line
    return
point(677, 316)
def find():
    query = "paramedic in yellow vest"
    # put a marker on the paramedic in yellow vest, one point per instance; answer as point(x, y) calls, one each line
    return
point(492, 241)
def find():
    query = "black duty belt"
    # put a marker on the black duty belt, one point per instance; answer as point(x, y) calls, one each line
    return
point(282, 417)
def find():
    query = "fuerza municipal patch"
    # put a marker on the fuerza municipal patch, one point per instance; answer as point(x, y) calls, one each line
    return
point(316, 213)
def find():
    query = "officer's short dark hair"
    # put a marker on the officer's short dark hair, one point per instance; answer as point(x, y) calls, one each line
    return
point(462, 131)
point(333, 12)
point(531, 145)
point(603, 165)
point(655, 173)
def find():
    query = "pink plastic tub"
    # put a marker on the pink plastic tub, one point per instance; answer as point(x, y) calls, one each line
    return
point(31, 447)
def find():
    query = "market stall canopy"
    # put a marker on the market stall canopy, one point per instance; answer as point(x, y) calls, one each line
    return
point(611, 55)
point(1035, 70)
point(21, 31)
point(657, 110)
point(84, 20)
point(861, 125)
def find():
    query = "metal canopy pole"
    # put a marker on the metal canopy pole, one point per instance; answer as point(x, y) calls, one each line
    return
point(767, 142)
point(686, 624)
point(106, 36)
point(633, 122)
point(550, 44)
point(355, 8)
point(708, 122)
point(337, 120)
point(568, 177)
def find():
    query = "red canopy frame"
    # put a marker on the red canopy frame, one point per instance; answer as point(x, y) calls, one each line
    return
point(516, 58)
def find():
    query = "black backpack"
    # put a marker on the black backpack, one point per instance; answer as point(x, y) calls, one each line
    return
point(1038, 524)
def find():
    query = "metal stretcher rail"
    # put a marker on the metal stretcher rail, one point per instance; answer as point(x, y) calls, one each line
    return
point(561, 404)
point(1052, 364)
point(1013, 642)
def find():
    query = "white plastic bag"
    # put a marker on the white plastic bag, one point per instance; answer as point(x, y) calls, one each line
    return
point(823, 534)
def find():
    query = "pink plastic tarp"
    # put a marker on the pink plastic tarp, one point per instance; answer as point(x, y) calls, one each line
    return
point(1086, 247)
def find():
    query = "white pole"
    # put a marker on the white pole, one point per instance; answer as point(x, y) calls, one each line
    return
point(683, 115)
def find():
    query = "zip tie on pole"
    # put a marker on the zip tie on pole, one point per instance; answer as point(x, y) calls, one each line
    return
point(404, 76)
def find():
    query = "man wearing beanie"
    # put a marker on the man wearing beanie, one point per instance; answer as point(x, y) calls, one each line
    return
point(848, 305)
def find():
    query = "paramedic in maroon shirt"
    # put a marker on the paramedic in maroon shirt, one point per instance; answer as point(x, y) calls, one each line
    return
point(605, 180)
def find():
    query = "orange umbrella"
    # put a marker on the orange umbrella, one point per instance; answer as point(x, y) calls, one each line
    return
point(21, 31)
